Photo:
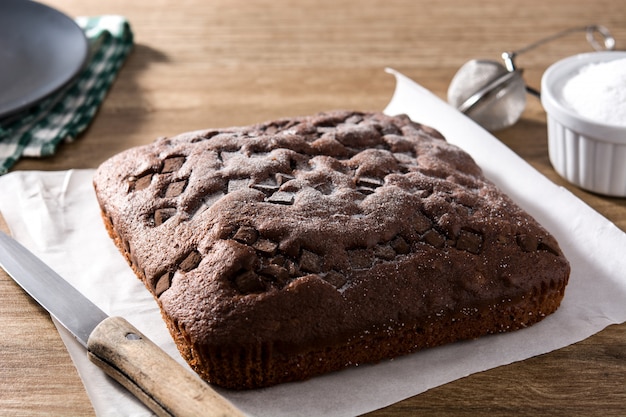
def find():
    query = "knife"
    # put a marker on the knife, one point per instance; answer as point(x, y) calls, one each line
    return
point(113, 344)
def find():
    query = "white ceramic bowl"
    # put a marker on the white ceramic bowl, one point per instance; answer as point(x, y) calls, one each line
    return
point(588, 153)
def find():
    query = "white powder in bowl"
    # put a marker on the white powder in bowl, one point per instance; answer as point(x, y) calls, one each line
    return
point(598, 92)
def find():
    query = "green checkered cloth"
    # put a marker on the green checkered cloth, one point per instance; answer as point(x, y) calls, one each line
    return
point(38, 132)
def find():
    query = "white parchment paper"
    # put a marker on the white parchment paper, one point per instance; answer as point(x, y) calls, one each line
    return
point(56, 215)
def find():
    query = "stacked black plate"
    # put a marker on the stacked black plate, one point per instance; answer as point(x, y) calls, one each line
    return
point(41, 51)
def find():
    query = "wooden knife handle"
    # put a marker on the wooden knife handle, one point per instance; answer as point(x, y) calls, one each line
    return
point(154, 377)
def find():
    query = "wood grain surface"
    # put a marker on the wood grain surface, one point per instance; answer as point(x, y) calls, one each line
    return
point(200, 64)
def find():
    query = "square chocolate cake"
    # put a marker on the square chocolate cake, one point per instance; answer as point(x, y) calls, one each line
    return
point(301, 246)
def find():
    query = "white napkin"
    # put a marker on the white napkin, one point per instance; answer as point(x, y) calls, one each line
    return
point(56, 215)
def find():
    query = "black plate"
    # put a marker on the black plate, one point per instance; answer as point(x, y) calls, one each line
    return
point(41, 50)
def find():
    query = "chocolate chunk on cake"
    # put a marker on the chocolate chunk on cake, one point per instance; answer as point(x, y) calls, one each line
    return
point(302, 246)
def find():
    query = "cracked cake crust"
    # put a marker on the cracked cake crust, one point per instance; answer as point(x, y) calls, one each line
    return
point(300, 246)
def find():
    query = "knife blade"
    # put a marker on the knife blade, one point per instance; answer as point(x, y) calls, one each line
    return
point(112, 343)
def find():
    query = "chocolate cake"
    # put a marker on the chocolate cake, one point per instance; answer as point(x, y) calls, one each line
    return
point(301, 246)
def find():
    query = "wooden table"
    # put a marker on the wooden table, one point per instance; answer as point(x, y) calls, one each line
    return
point(219, 63)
